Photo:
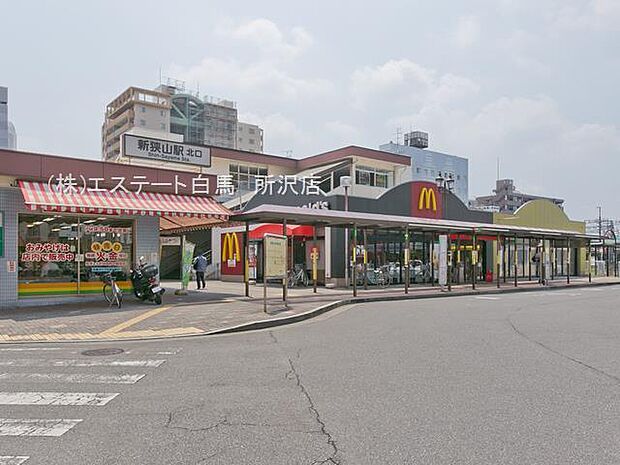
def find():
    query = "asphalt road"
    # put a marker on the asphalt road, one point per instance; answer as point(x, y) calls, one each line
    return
point(528, 378)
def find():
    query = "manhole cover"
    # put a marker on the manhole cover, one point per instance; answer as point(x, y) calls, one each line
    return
point(110, 351)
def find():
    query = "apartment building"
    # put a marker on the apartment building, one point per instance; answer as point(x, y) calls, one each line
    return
point(169, 111)
point(507, 199)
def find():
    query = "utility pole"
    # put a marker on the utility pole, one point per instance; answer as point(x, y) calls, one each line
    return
point(600, 223)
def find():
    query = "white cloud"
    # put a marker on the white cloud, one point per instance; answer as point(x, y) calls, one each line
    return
point(267, 37)
point(346, 133)
point(592, 15)
point(257, 82)
point(467, 31)
point(406, 83)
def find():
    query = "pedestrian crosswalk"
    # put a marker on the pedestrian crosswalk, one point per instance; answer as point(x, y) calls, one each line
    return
point(12, 459)
point(80, 363)
point(46, 382)
point(32, 427)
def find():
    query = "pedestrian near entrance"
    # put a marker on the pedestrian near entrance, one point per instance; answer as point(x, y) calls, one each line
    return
point(200, 265)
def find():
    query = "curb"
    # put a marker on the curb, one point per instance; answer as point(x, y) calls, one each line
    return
point(264, 324)
point(287, 320)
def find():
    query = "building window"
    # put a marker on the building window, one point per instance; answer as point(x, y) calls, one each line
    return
point(252, 131)
point(161, 112)
point(142, 122)
point(162, 126)
point(417, 170)
point(143, 109)
point(252, 141)
point(368, 176)
point(244, 177)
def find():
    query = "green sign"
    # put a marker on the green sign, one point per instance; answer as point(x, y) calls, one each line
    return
point(186, 260)
point(1, 234)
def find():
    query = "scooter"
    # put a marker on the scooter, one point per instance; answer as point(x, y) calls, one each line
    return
point(144, 280)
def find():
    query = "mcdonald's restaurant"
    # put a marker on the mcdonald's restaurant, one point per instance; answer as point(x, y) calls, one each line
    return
point(483, 258)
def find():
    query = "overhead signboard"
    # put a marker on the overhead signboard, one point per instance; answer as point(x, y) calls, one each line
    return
point(165, 150)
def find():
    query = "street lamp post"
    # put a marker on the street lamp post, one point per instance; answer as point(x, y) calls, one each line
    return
point(345, 181)
point(446, 185)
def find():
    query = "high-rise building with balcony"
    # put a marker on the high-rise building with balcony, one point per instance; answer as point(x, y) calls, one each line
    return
point(170, 111)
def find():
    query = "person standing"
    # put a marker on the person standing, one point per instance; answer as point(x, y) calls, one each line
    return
point(200, 265)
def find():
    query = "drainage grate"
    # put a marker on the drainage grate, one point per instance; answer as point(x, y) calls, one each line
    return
point(109, 351)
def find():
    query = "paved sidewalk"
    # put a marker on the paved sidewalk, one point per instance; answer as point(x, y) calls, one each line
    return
point(220, 308)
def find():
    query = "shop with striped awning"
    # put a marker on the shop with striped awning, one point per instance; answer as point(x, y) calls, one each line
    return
point(43, 197)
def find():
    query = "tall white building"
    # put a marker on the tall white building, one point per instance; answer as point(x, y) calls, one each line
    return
point(8, 136)
point(427, 165)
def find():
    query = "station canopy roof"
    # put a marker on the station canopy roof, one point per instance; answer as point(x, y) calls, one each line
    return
point(336, 218)
point(179, 208)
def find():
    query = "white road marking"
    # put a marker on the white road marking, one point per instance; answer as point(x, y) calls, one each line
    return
point(96, 399)
point(44, 427)
point(72, 378)
point(486, 298)
point(28, 349)
point(13, 459)
point(149, 353)
point(80, 363)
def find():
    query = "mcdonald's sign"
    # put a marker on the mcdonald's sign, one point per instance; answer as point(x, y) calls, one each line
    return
point(231, 252)
point(425, 200)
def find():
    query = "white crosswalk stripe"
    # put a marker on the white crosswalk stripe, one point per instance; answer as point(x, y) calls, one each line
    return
point(13, 459)
point(71, 378)
point(80, 363)
point(32, 427)
point(61, 367)
point(56, 398)
point(29, 349)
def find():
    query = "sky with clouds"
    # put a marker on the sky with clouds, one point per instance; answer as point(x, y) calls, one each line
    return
point(531, 82)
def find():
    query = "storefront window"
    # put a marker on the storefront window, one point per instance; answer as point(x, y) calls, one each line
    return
point(47, 250)
point(61, 254)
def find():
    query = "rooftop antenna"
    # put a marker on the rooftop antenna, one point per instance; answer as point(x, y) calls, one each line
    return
point(288, 153)
point(497, 169)
point(399, 131)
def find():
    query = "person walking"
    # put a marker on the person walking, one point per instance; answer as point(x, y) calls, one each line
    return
point(200, 265)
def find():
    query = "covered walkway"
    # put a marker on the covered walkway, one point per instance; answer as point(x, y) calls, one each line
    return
point(507, 251)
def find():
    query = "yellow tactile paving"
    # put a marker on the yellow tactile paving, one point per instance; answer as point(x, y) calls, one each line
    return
point(51, 337)
point(126, 324)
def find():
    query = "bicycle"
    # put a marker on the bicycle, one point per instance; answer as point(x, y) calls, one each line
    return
point(297, 276)
point(111, 291)
point(377, 276)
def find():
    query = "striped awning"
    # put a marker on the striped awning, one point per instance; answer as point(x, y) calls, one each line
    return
point(40, 196)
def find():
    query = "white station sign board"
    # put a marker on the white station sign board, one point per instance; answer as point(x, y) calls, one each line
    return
point(165, 150)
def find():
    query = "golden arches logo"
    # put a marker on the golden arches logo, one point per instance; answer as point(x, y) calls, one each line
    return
point(427, 199)
point(230, 247)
